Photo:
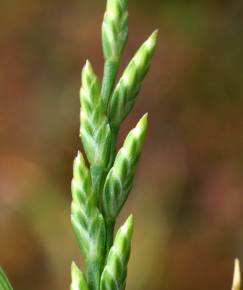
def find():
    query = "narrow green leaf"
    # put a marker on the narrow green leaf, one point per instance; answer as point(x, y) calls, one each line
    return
point(4, 283)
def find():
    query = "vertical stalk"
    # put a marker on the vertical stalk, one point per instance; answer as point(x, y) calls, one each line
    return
point(110, 72)
point(114, 133)
point(110, 224)
point(93, 268)
point(97, 175)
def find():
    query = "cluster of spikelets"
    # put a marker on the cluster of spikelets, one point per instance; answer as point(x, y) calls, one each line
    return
point(100, 190)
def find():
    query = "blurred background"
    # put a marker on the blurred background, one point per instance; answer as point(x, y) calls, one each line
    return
point(188, 193)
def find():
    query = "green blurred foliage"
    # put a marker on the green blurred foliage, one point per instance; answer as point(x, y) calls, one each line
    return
point(188, 192)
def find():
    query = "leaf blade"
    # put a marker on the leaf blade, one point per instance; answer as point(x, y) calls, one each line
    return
point(4, 282)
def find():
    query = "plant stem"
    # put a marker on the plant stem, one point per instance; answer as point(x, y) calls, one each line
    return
point(93, 274)
point(97, 175)
point(114, 133)
point(110, 72)
point(110, 224)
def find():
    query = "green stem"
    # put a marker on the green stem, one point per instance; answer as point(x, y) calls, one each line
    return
point(110, 72)
point(97, 175)
point(110, 224)
point(93, 268)
point(114, 133)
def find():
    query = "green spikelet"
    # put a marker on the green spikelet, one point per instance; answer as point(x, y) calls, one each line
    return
point(114, 29)
point(119, 180)
point(115, 271)
point(87, 221)
point(78, 279)
point(123, 98)
point(114, 38)
point(4, 283)
point(236, 285)
point(95, 130)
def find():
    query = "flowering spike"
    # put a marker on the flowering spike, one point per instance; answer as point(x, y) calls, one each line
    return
point(100, 190)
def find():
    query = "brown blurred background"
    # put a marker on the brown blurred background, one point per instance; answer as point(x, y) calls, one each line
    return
point(188, 194)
